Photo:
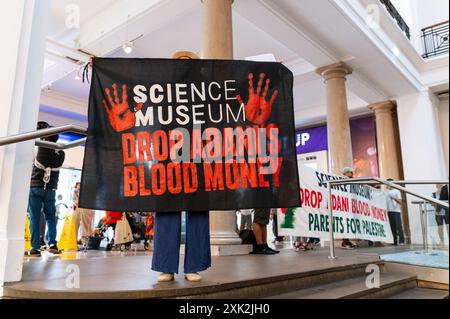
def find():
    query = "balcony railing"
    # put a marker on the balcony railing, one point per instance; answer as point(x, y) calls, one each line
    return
point(435, 40)
point(397, 17)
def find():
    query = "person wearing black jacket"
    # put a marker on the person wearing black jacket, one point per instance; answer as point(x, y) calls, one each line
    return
point(44, 181)
point(442, 213)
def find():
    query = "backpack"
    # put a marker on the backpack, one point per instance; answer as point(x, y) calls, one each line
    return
point(248, 237)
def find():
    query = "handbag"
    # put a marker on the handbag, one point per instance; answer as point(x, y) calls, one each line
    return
point(123, 232)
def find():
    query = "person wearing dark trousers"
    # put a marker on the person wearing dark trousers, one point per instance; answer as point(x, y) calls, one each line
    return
point(394, 201)
point(167, 240)
point(260, 222)
point(44, 181)
point(442, 213)
point(278, 239)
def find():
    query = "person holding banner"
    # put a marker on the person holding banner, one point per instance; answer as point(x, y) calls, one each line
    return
point(346, 243)
point(167, 235)
point(167, 240)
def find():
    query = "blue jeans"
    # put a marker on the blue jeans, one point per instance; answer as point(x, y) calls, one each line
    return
point(42, 198)
point(167, 239)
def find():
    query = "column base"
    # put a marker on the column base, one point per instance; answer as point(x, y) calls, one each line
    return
point(230, 250)
point(226, 250)
point(11, 260)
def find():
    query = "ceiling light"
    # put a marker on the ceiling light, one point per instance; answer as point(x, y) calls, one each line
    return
point(77, 77)
point(127, 47)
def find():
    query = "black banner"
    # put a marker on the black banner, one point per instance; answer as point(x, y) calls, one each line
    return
point(173, 135)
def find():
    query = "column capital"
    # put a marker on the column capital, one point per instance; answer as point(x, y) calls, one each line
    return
point(185, 55)
point(381, 107)
point(336, 70)
point(232, 1)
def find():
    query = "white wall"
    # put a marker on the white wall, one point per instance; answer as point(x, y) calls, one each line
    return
point(419, 14)
point(55, 120)
point(421, 146)
point(74, 157)
point(430, 12)
point(443, 116)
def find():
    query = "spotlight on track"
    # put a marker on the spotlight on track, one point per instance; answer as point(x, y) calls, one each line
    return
point(127, 47)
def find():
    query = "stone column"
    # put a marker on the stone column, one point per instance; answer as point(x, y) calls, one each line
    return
point(218, 44)
point(217, 29)
point(388, 150)
point(386, 147)
point(25, 23)
point(338, 125)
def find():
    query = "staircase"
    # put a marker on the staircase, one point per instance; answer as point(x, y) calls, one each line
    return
point(393, 285)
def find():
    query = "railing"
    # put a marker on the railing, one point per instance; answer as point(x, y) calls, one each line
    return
point(397, 17)
point(47, 132)
point(423, 208)
point(377, 181)
point(435, 40)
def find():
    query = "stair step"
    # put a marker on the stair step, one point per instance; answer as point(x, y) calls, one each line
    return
point(351, 288)
point(421, 293)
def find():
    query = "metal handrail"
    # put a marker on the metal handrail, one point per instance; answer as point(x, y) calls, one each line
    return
point(424, 221)
point(375, 180)
point(22, 137)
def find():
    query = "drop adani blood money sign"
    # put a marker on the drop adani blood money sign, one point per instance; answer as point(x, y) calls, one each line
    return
point(359, 211)
point(169, 135)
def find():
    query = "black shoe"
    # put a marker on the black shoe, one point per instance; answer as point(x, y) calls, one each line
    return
point(33, 253)
point(262, 250)
point(53, 249)
point(275, 251)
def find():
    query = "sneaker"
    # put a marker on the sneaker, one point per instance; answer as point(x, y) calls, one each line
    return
point(33, 253)
point(262, 250)
point(53, 249)
point(166, 276)
point(275, 251)
point(193, 277)
point(348, 245)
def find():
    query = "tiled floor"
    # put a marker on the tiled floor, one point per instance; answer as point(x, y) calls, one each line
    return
point(430, 258)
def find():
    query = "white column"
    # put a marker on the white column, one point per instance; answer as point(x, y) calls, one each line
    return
point(23, 27)
point(218, 44)
point(421, 149)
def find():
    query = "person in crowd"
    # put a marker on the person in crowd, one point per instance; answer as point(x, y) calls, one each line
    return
point(394, 207)
point(346, 243)
point(278, 239)
point(304, 243)
point(313, 243)
point(260, 222)
point(83, 216)
point(442, 213)
point(246, 219)
point(44, 181)
point(167, 240)
point(300, 244)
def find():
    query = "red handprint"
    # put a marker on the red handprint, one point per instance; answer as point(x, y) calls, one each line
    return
point(257, 109)
point(120, 116)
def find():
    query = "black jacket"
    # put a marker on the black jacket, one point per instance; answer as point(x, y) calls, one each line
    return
point(48, 158)
point(444, 195)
